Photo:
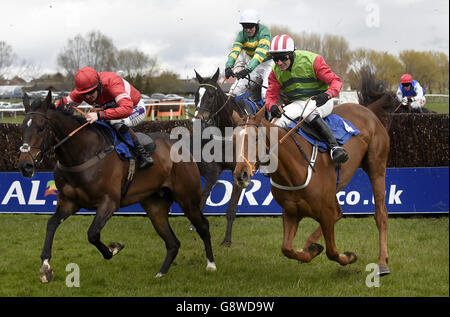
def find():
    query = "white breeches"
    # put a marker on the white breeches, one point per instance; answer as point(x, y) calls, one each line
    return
point(260, 74)
point(136, 117)
point(297, 109)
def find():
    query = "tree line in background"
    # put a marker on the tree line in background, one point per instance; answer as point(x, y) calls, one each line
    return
point(430, 68)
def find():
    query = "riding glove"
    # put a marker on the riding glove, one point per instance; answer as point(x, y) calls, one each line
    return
point(275, 111)
point(228, 72)
point(243, 73)
point(321, 99)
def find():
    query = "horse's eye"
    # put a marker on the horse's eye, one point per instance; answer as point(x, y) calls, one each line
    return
point(40, 129)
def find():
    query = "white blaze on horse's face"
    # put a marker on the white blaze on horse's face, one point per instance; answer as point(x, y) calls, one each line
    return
point(29, 122)
point(201, 93)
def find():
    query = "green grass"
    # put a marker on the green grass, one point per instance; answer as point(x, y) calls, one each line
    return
point(253, 266)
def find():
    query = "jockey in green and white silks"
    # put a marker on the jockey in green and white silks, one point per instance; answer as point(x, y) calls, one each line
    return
point(254, 39)
point(301, 75)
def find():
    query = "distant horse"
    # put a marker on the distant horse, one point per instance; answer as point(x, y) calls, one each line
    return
point(89, 174)
point(213, 108)
point(369, 150)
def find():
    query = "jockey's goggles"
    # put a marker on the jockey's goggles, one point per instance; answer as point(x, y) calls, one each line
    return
point(248, 25)
point(280, 57)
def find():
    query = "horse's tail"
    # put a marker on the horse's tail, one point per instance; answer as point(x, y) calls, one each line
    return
point(373, 95)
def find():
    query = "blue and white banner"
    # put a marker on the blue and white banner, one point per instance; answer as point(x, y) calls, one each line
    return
point(408, 191)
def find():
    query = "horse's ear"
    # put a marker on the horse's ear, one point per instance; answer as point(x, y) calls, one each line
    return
point(260, 114)
point(199, 78)
point(216, 75)
point(48, 100)
point(236, 118)
point(26, 102)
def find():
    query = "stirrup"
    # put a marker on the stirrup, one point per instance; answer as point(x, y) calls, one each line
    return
point(341, 155)
point(144, 162)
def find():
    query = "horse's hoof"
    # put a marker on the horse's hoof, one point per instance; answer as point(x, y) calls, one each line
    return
point(315, 249)
point(352, 257)
point(226, 243)
point(382, 271)
point(115, 247)
point(211, 267)
point(191, 227)
point(46, 273)
point(159, 275)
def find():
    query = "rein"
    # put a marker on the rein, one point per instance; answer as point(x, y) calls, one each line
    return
point(26, 148)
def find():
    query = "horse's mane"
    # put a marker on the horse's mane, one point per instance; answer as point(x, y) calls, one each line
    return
point(372, 93)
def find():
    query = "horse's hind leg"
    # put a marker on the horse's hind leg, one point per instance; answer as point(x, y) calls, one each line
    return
point(231, 213)
point(64, 209)
point(201, 225)
point(157, 209)
point(381, 218)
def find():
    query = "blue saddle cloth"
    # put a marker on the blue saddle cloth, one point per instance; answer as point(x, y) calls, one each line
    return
point(121, 148)
point(341, 129)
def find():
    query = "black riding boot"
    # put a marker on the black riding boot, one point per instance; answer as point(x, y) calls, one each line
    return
point(338, 154)
point(143, 157)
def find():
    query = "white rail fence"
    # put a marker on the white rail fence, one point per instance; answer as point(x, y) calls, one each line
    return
point(171, 113)
point(344, 96)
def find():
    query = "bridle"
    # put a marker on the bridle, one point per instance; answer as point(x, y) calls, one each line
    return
point(216, 95)
point(251, 166)
point(26, 148)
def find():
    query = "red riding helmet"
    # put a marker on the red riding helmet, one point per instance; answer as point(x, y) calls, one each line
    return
point(406, 79)
point(86, 80)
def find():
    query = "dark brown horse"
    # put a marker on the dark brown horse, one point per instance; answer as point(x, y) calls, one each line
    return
point(90, 176)
point(368, 150)
point(213, 109)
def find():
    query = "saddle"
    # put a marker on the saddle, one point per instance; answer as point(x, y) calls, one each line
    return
point(250, 102)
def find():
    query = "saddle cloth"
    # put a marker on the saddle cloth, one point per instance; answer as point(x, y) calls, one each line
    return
point(342, 130)
point(121, 148)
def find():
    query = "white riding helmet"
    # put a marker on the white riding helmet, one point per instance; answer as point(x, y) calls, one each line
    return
point(250, 16)
point(281, 44)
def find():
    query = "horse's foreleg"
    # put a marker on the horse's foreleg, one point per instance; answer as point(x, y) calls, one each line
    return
point(314, 238)
point(64, 209)
point(104, 212)
point(327, 224)
point(231, 213)
point(290, 227)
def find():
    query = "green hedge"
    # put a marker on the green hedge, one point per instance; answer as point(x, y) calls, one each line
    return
point(417, 140)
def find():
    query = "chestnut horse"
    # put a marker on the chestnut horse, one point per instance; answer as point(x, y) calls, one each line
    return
point(90, 176)
point(369, 150)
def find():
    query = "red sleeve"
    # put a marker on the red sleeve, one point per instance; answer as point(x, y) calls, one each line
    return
point(121, 92)
point(273, 91)
point(324, 73)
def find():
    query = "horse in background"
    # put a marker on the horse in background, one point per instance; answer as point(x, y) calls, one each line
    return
point(316, 197)
point(90, 174)
point(214, 108)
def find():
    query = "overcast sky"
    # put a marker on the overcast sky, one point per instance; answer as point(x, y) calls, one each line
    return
point(188, 34)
